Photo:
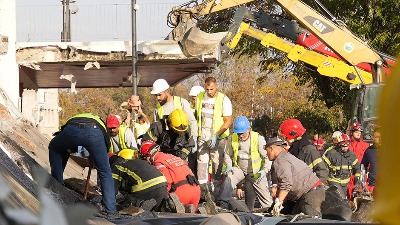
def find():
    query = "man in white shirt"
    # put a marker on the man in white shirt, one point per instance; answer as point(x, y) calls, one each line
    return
point(214, 116)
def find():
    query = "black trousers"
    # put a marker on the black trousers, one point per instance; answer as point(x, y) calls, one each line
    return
point(310, 203)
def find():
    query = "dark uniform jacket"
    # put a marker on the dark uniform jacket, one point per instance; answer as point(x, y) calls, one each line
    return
point(136, 176)
point(341, 166)
point(304, 151)
point(370, 161)
point(170, 142)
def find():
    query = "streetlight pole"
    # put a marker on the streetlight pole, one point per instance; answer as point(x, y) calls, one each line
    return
point(66, 33)
point(134, 51)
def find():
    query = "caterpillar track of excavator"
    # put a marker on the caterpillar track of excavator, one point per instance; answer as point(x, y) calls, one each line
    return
point(321, 41)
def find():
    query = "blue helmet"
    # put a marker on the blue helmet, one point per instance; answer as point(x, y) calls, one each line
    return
point(241, 124)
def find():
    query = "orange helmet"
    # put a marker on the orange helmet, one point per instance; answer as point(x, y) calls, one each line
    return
point(345, 140)
point(292, 129)
point(148, 148)
point(356, 127)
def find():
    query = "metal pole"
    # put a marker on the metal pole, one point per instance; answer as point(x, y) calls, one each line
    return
point(134, 52)
point(66, 33)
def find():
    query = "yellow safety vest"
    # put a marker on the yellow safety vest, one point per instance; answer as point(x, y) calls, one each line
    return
point(90, 116)
point(121, 134)
point(256, 159)
point(218, 119)
point(177, 105)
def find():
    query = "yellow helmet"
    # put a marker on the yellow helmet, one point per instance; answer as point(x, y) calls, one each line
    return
point(128, 154)
point(178, 120)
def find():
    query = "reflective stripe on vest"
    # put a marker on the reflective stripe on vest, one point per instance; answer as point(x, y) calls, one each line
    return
point(90, 116)
point(141, 185)
point(218, 119)
point(121, 135)
point(177, 105)
point(256, 160)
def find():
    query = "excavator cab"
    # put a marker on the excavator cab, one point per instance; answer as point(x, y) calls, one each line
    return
point(365, 107)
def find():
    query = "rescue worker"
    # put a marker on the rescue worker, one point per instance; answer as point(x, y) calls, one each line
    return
point(293, 181)
point(319, 143)
point(138, 181)
point(358, 146)
point(121, 136)
point(172, 135)
point(336, 138)
point(139, 121)
point(295, 134)
point(370, 160)
point(168, 103)
point(342, 163)
point(89, 131)
point(194, 91)
point(181, 180)
point(246, 160)
point(214, 117)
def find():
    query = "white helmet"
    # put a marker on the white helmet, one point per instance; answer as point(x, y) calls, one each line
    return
point(159, 86)
point(195, 90)
point(337, 135)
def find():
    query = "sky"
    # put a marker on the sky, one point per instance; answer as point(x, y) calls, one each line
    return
point(101, 20)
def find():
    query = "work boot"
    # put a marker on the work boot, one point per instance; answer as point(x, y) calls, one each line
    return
point(148, 205)
point(177, 204)
point(209, 204)
point(190, 209)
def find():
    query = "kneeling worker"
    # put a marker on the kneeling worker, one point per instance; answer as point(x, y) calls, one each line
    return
point(296, 181)
point(137, 180)
point(181, 180)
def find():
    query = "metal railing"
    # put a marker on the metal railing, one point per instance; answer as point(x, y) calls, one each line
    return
point(102, 22)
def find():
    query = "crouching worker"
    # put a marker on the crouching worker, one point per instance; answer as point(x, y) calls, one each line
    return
point(296, 180)
point(246, 159)
point(181, 181)
point(141, 184)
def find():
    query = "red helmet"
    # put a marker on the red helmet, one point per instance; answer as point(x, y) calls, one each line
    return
point(345, 140)
point(356, 127)
point(149, 148)
point(292, 128)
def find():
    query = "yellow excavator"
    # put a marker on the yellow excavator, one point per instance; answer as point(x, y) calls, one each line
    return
point(345, 57)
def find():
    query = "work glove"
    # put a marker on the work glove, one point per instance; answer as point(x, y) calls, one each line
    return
point(263, 174)
point(276, 211)
point(228, 168)
point(213, 142)
point(194, 149)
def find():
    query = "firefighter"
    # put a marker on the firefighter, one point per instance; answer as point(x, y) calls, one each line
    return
point(293, 181)
point(89, 131)
point(181, 181)
point(358, 146)
point(295, 134)
point(247, 160)
point(122, 137)
point(336, 137)
point(138, 181)
point(342, 163)
point(173, 137)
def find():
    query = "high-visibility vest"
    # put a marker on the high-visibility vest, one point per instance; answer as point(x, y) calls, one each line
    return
point(218, 119)
point(121, 135)
point(89, 116)
point(177, 105)
point(256, 159)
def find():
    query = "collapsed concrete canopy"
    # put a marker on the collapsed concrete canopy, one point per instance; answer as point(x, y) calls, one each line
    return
point(105, 64)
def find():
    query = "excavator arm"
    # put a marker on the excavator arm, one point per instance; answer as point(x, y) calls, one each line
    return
point(332, 33)
point(326, 65)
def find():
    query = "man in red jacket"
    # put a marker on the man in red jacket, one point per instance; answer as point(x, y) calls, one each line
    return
point(358, 146)
point(180, 178)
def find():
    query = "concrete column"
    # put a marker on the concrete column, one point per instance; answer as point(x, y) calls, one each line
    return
point(9, 74)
